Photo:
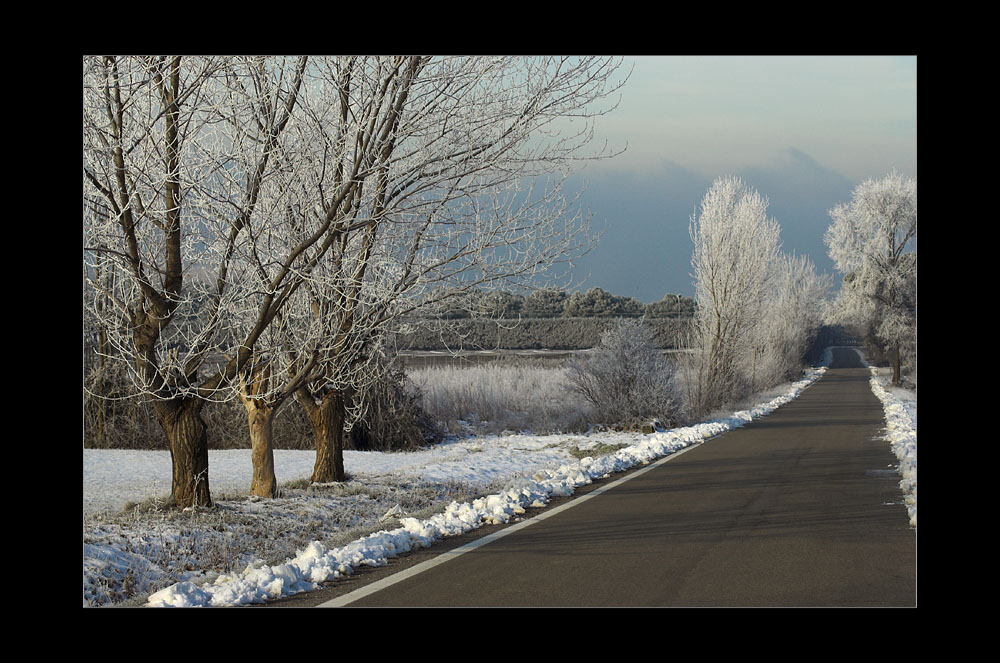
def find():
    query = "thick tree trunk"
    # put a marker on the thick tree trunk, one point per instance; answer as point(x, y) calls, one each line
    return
point(327, 419)
point(187, 436)
point(260, 419)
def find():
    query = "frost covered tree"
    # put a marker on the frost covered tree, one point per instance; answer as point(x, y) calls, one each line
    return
point(600, 303)
point(268, 220)
point(735, 255)
point(671, 306)
point(758, 309)
point(464, 193)
point(544, 303)
point(151, 158)
point(190, 172)
point(791, 317)
point(872, 243)
point(260, 113)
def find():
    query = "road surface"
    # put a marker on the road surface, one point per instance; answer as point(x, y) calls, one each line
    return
point(800, 508)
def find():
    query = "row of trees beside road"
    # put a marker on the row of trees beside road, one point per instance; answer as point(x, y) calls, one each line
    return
point(254, 225)
point(758, 308)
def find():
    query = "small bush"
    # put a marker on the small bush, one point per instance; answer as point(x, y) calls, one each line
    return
point(626, 379)
point(395, 419)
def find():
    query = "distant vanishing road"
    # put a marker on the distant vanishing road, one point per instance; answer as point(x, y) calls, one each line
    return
point(799, 508)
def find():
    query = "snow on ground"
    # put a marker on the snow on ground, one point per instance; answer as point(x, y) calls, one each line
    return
point(900, 407)
point(115, 477)
point(395, 502)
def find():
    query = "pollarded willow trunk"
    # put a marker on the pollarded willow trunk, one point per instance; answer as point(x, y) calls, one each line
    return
point(187, 436)
point(327, 419)
point(260, 419)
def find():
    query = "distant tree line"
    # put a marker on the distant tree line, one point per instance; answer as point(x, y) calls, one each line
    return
point(553, 303)
point(532, 333)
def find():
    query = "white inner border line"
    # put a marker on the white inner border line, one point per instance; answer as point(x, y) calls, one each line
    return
point(379, 585)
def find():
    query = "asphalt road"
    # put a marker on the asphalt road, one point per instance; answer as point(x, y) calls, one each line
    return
point(800, 508)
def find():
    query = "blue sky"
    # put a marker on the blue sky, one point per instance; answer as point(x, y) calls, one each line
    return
point(803, 131)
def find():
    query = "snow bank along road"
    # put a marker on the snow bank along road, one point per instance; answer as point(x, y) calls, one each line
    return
point(799, 508)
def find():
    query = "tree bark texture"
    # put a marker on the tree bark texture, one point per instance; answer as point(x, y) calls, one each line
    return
point(327, 420)
point(260, 419)
point(187, 436)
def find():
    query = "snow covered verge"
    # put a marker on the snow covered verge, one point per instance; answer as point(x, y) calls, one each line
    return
point(316, 563)
point(901, 431)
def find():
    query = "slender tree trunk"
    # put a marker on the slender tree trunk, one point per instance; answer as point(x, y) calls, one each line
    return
point(897, 379)
point(188, 439)
point(327, 419)
point(100, 419)
point(260, 419)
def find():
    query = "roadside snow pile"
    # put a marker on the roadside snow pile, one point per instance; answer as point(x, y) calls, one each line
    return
point(317, 564)
point(901, 431)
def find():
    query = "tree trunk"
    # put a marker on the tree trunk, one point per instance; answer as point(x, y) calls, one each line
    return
point(327, 419)
point(897, 379)
point(260, 419)
point(99, 428)
point(100, 424)
point(188, 439)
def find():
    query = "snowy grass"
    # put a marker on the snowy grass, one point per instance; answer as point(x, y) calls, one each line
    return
point(139, 550)
point(501, 396)
point(134, 544)
point(247, 550)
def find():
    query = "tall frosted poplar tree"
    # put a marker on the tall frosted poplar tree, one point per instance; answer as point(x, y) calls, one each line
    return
point(736, 251)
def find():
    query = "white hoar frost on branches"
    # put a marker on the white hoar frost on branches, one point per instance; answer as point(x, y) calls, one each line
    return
point(277, 216)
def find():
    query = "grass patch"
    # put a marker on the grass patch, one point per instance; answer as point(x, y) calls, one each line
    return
point(501, 396)
point(598, 449)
